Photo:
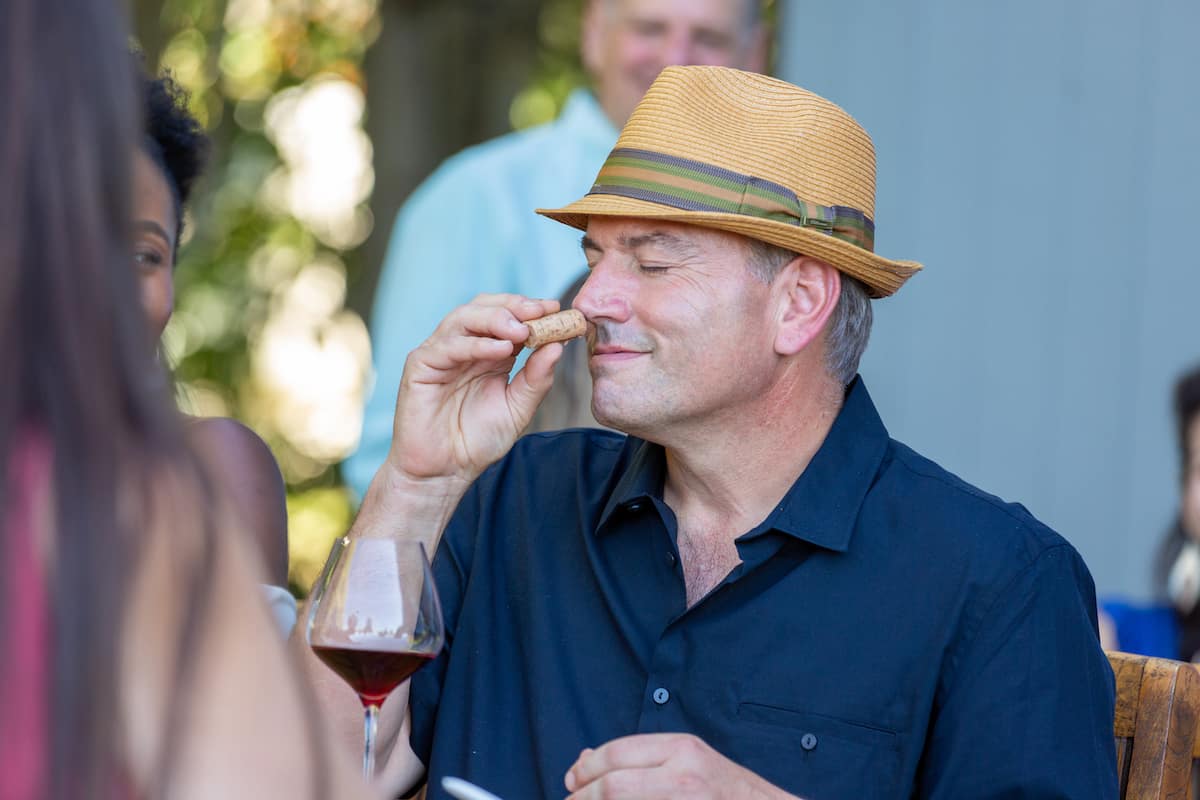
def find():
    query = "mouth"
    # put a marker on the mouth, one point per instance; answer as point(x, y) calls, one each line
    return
point(608, 345)
point(612, 352)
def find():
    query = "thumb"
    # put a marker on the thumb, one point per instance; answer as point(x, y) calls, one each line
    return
point(530, 385)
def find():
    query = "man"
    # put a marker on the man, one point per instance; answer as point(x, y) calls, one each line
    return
point(468, 229)
point(756, 593)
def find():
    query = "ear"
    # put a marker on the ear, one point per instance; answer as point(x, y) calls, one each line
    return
point(808, 291)
point(591, 37)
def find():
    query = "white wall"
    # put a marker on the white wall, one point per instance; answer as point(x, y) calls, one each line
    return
point(1043, 160)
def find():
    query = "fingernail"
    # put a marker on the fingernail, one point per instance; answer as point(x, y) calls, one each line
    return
point(569, 780)
point(515, 325)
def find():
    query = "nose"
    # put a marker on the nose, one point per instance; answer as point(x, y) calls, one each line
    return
point(604, 295)
point(677, 49)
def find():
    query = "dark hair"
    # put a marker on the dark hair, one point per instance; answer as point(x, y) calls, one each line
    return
point(75, 347)
point(174, 140)
point(1187, 406)
point(1186, 403)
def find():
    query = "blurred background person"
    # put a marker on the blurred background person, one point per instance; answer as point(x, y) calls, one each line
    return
point(1169, 627)
point(468, 228)
point(165, 168)
point(136, 658)
point(1179, 555)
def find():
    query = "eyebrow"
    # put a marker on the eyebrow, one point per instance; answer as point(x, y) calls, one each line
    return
point(675, 245)
point(151, 226)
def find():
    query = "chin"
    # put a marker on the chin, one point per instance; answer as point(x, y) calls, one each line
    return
point(640, 422)
point(611, 416)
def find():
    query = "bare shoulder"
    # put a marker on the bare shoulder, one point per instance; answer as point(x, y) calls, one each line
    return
point(222, 441)
point(247, 475)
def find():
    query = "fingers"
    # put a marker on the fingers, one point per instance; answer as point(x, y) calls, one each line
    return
point(652, 783)
point(446, 354)
point(511, 300)
point(520, 308)
point(489, 328)
point(637, 752)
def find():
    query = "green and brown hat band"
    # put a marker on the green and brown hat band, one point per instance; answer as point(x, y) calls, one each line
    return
point(695, 186)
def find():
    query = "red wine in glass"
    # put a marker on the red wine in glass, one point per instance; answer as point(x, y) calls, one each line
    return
point(374, 620)
point(371, 673)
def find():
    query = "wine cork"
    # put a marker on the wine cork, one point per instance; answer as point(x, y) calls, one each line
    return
point(557, 327)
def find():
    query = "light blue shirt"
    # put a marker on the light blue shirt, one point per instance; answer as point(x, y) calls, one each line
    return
point(471, 228)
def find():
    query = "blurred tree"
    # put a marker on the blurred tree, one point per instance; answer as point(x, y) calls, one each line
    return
point(281, 231)
point(288, 230)
point(260, 330)
point(443, 76)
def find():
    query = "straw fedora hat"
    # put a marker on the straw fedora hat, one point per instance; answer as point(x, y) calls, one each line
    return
point(752, 155)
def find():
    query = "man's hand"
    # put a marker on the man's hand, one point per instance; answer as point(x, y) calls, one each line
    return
point(456, 411)
point(662, 765)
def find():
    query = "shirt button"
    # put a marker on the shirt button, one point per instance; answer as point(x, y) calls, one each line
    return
point(661, 695)
point(635, 506)
point(808, 741)
point(670, 559)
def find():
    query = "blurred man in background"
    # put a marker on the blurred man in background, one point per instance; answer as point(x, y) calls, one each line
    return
point(469, 229)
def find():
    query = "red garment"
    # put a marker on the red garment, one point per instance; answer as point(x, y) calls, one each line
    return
point(26, 625)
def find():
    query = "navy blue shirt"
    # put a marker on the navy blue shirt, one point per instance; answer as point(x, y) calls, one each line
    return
point(891, 631)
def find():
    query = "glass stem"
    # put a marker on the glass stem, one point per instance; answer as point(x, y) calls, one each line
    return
point(370, 719)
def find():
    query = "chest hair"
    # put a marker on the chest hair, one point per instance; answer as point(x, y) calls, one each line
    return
point(706, 557)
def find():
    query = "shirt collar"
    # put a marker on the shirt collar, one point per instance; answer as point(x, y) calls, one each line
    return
point(822, 505)
point(584, 118)
point(642, 479)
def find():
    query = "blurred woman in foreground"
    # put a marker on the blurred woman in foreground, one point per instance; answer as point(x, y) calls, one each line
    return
point(136, 658)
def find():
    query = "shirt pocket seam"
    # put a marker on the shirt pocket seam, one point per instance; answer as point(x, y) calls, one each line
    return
point(849, 731)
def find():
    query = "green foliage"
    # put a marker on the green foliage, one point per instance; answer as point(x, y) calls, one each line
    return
point(261, 331)
point(261, 273)
point(559, 69)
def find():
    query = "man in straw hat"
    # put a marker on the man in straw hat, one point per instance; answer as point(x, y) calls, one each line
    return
point(471, 221)
point(756, 592)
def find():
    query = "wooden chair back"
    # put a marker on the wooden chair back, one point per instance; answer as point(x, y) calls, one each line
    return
point(1155, 726)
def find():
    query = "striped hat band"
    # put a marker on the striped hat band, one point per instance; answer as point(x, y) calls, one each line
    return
point(695, 186)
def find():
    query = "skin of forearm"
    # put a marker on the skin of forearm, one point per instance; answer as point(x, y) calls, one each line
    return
point(407, 508)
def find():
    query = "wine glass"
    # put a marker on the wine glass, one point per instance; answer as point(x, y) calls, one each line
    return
point(375, 619)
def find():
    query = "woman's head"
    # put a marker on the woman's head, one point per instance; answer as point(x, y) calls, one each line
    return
point(166, 165)
point(1187, 415)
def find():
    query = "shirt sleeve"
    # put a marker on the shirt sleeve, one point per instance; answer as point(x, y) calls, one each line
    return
point(447, 245)
point(1027, 706)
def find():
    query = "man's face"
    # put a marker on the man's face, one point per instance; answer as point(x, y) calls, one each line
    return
point(684, 334)
point(626, 43)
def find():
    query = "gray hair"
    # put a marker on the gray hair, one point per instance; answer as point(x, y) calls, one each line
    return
point(849, 326)
point(753, 8)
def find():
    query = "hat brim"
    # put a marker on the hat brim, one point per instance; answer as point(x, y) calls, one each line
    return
point(881, 276)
